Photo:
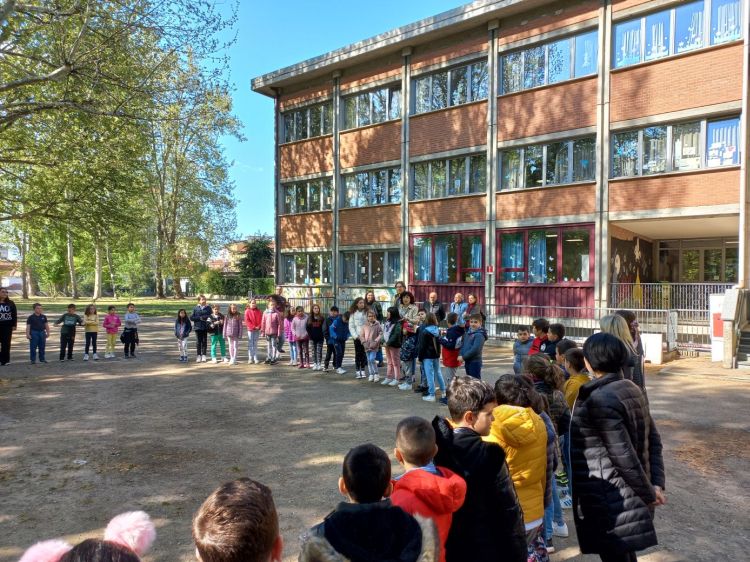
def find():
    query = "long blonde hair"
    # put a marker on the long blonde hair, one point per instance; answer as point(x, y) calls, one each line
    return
point(617, 326)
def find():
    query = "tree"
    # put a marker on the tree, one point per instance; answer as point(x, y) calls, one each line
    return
point(258, 259)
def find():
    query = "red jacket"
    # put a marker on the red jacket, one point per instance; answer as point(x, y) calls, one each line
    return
point(253, 318)
point(536, 345)
point(429, 495)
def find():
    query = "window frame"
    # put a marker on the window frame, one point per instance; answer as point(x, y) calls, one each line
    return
point(387, 90)
point(468, 67)
point(371, 175)
point(309, 256)
point(467, 184)
point(322, 205)
point(291, 114)
point(387, 252)
point(460, 269)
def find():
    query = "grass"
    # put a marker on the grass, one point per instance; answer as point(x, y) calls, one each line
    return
point(143, 306)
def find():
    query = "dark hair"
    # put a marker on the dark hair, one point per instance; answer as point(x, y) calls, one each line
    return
point(575, 358)
point(113, 307)
point(129, 305)
point(397, 283)
point(406, 294)
point(178, 314)
point(605, 353)
point(517, 390)
point(276, 299)
point(415, 437)
point(558, 330)
point(334, 308)
point(543, 369)
point(201, 296)
point(236, 523)
point(36, 304)
point(312, 316)
point(95, 550)
point(564, 345)
point(430, 319)
point(353, 308)
point(71, 305)
point(452, 318)
point(541, 324)
point(629, 317)
point(467, 394)
point(298, 308)
point(522, 329)
point(367, 473)
point(478, 317)
point(393, 314)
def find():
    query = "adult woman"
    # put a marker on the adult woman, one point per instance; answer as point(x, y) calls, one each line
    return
point(616, 456)
point(400, 289)
point(472, 307)
point(407, 308)
point(618, 327)
point(373, 305)
point(638, 370)
point(8, 323)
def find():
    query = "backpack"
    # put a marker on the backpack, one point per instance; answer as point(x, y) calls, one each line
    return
point(409, 348)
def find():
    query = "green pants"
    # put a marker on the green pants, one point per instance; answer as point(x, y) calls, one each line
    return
point(218, 339)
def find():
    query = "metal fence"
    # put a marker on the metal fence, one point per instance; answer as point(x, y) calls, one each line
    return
point(664, 296)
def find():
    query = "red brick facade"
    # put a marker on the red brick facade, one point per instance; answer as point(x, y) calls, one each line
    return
point(308, 230)
point(306, 157)
point(448, 129)
point(565, 200)
point(369, 145)
point(371, 225)
point(453, 210)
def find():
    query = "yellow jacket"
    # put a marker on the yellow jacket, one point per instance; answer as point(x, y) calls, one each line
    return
point(91, 322)
point(523, 436)
point(571, 388)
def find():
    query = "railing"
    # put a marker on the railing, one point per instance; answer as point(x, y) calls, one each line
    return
point(662, 296)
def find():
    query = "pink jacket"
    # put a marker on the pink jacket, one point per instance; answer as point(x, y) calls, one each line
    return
point(299, 327)
point(253, 319)
point(288, 332)
point(271, 324)
point(111, 323)
point(371, 336)
point(232, 327)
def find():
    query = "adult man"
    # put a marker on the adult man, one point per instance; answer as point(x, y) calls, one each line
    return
point(434, 306)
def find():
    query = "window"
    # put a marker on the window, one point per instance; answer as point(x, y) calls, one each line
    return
point(446, 178)
point(654, 150)
point(625, 154)
point(303, 197)
point(375, 106)
point(546, 255)
point(377, 187)
point(308, 122)
point(456, 86)
point(552, 164)
point(370, 267)
point(726, 19)
point(689, 27)
point(722, 141)
point(306, 268)
point(686, 146)
point(658, 33)
point(550, 63)
point(711, 260)
point(448, 258)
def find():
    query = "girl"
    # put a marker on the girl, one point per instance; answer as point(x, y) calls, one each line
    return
point(617, 326)
point(339, 333)
point(635, 335)
point(271, 328)
point(315, 322)
point(429, 353)
point(289, 336)
point(392, 335)
point(216, 329)
point(253, 317)
point(91, 329)
point(407, 309)
point(357, 319)
point(302, 340)
point(111, 324)
point(372, 304)
point(232, 331)
point(182, 329)
point(130, 333)
point(8, 323)
point(371, 335)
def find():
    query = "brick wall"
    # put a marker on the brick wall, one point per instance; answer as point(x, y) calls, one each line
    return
point(679, 190)
point(695, 80)
point(307, 95)
point(457, 46)
point(306, 157)
point(547, 202)
point(309, 230)
point(618, 5)
point(448, 129)
point(377, 143)
point(359, 78)
point(451, 210)
point(551, 18)
point(373, 225)
point(547, 110)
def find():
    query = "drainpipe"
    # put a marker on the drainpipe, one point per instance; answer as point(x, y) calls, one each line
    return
point(276, 185)
point(491, 217)
point(405, 171)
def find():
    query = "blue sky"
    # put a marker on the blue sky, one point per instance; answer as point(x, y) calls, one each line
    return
point(271, 35)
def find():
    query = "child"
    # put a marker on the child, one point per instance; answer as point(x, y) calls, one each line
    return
point(408, 354)
point(200, 316)
point(578, 376)
point(429, 354)
point(471, 348)
point(561, 348)
point(357, 320)
point(315, 321)
point(271, 328)
point(112, 325)
point(369, 527)
point(451, 343)
point(340, 333)
point(182, 329)
point(91, 329)
point(556, 334)
point(392, 335)
point(289, 336)
point(372, 334)
point(37, 332)
point(232, 332)
point(69, 321)
point(253, 318)
point(425, 489)
point(238, 523)
point(540, 328)
point(521, 348)
point(330, 340)
point(216, 329)
point(489, 525)
point(421, 387)
point(301, 339)
point(130, 333)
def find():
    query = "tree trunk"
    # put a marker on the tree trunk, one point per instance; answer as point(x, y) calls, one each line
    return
point(159, 273)
point(24, 267)
point(71, 266)
point(111, 269)
point(97, 269)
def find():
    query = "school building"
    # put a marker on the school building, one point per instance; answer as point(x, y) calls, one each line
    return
point(571, 155)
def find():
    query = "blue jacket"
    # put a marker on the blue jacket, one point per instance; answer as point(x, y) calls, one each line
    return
point(339, 331)
point(520, 352)
point(471, 349)
point(453, 337)
point(459, 309)
point(200, 317)
point(182, 330)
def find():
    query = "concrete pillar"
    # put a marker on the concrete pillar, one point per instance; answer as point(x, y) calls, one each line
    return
point(405, 170)
point(337, 187)
point(276, 186)
point(743, 281)
point(490, 231)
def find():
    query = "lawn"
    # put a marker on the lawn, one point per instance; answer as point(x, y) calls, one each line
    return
point(144, 306)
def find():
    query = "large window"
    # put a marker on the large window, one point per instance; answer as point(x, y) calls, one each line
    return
point(546, 255)
point(375, 106)
point(549, 63)
point(713, 260)
point(456, 86)
point(370, 267)
point(461, 175)
point(306, 268)
point(376, 187)
point(676, 30)
point(550, 164)
point(448, 258)
point(308, 122)
point(679, 147)
point(306, 196)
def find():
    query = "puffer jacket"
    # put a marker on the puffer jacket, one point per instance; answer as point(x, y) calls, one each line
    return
point(372, 335)
point(428, 344)
point(272, 323)
point(253, 319)
point(357, 321)
point(232, 327)
point(523, 436)
point(200, 317)
point(572, 385)
point(558, 408)
point(616, 458)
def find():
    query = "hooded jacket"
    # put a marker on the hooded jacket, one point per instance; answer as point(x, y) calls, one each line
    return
point(437, 497)
point(473, 342)
point(232, 327)
point(428, 346)
point(357, 321)
point(523, 436)
point(299, 327)
point(452, 345)
point(8, 314)
point(572, 385)
point(272, 323)
point(371, 335)
point(338, 330)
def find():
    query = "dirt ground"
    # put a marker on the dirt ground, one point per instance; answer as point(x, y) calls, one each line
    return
point(81, 442)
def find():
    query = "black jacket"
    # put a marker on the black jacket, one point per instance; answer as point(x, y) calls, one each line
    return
point(376, 308)
point(200, 317)
point(428, 346)
point(8, 314)
point(315, 328)
point(616, 458)
point(489, 526)
point(436, 309)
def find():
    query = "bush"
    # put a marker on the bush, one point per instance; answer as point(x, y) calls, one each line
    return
point(261, 286)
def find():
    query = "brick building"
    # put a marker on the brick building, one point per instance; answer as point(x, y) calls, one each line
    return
point(566, 154)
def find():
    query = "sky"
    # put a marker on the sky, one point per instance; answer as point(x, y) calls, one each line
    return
point(274, 34)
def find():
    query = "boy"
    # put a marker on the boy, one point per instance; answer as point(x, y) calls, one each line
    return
point(130, 333)
point(471, 348)
point(69, 321)
point(556, 334)
point(521, 348)
point(489, 526)
point(369, 527)
point(238, 523)
point(561, 348)
point(539, 327)
point(330, 345)
point(339, 331)
point(425, 489)
point(37, 332)
point(451, 343)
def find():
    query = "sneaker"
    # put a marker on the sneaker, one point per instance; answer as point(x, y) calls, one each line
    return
point(197, 359)
point(255, 360)
point(70, 359)
point(393, 382)
point(371, 378)
point(376, 378)
point(566, 502)
point(291, 363)
point(443, 401)
point(96, 357)
point(560, 530)
point(425, 392)
point(362, 375)
point(214, 360)
point(550, 546)
point(85, 356)
point(250, 361)
point(340, 371)
point(404, 386)
point(301, 366)
point(33, 362)
point(225, 360)
point(358, 375)
point(204, 358)
point(63, 360)
point(380, 363)
point(126, 356)
point(42, 360)
point(274, 361)
point(386, 382)
point(561, 478)
point(267, 361)
point(232, 361)
point(429, 398)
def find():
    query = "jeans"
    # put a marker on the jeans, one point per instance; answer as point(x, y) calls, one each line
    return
point(130, 337)
point(339, 347)
point(379, 355)
point(330, 353)
point(317, 352)
point(303, 351)
point(182, 344)
point(432, 372)
point(201, 342)
point(217, 340)
point(553, 512)
point(293, 351)
point(38, 342)
point(273, 351)
point(252, 343)
point(565, 447)
point(372, 362)
point(90, 340)
point(474, 368)
point(394, 362)
point(66, 345)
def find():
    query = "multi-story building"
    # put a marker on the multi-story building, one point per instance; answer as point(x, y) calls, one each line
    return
point(569, 154)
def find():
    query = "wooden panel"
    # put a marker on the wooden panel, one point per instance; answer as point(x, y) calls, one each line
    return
point(451, 210)
point(544, 296)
